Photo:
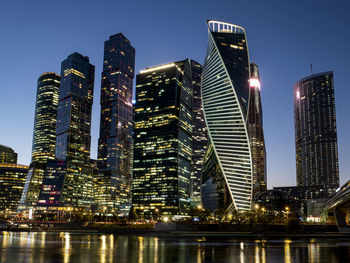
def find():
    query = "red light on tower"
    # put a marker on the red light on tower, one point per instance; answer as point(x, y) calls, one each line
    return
point(254, 83)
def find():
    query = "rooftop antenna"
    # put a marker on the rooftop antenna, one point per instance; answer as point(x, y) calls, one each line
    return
point(311, 69)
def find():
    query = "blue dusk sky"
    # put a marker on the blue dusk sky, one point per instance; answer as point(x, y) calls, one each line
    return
point(284, 38)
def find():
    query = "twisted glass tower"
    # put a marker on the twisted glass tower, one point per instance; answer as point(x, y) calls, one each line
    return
point(227, 169)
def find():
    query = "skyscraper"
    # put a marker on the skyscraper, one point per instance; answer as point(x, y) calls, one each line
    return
point(44, 137)
point(256, 133)
point(316, 134)
point(7, 154)
point(163, 140)
point(73, 186)
point(227, 171)
point(114, 144)
point(200, 136)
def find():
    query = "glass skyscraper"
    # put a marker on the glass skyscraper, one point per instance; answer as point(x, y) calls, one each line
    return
point(163, 140)
point(114, 144)
point(73, 186)
point(44, 137)
point(256, 132)
point(316, 134)
point(200, 137)
point(227, 172)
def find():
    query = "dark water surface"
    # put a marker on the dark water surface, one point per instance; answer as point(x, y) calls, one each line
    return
point(47, 247)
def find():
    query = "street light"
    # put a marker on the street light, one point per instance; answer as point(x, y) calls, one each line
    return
point(287, 211)
point(256, 212)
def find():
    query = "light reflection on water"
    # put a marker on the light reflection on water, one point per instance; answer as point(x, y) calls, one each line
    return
point(46, 247)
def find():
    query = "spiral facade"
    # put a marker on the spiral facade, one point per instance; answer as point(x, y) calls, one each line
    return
point(227, 170)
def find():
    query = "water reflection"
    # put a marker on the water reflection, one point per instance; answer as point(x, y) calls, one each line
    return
point(287, 258)
point(241, 255)
point(66, 249)
point(46, 247)
point(314, 252)
point(155, 255)
point(103, 249)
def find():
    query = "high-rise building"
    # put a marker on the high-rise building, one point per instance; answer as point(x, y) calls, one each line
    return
point(12, 179)
point(256, 133)
point(163, 140)
point(44, 137)
point(200, 137)
point(227, 172)
point(316, 134)
point(114, 144)
point(7, 154)
point(73, 187)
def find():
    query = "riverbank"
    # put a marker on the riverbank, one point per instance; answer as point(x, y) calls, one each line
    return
point(192, 230)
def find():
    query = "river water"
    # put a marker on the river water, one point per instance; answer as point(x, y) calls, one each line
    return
point(47, 247)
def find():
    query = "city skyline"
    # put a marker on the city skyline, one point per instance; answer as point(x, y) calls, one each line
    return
point(270, 85)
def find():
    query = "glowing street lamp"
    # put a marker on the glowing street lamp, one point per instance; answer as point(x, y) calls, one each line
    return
point(287, 211)
point(256, 212)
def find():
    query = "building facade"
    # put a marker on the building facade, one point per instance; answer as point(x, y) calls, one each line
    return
point(256, 132)
point(44, 137)
point(200, 136)
point(114, 144)
point(12, 179)
point(7, 155)
point(316, 133)
point(227, 172)
point(44, 134)
point(73, 187)
point(163, 140)
point(304, 192)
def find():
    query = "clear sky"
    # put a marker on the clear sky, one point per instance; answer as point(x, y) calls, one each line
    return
point(284, 37)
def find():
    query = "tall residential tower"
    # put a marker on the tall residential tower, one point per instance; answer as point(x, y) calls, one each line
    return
point(256, 132)
point(44, 137)
point(114, 145)
point(163, 140)
point(70, 183)
point(227, 173)
point(200, 136)
point(316, 134)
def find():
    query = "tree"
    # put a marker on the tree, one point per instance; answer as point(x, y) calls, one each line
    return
point(132, 214)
